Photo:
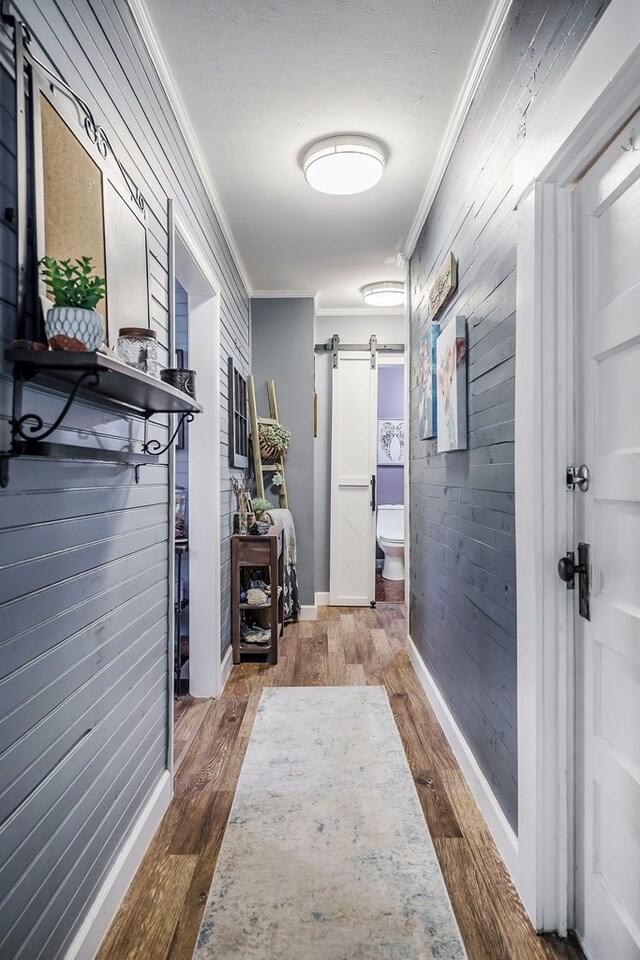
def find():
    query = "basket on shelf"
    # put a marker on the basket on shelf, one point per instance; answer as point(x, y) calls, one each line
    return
point(269, 451)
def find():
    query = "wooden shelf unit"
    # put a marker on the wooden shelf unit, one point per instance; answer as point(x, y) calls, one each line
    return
point(266, 552)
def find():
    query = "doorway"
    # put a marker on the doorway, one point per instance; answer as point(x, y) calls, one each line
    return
point(198, 470)
point(586, 115)
point(390, 481)
point(607, 529)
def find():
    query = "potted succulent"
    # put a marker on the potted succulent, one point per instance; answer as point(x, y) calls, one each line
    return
point(274, 441)
point(260, 507)
point(73, 323)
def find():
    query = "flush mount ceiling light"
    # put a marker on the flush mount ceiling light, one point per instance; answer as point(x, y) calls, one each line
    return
point(342, 165)
point(386, 293)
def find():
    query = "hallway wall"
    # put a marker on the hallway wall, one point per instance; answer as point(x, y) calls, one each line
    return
point(282, 350)
point(463, 578)
point(84, 685)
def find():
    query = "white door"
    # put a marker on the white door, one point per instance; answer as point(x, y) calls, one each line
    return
point(353, 469)
point(607, 219)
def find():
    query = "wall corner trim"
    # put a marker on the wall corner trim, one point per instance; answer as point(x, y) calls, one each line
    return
point(501, 831)
point(152, 44)
point(322, 599)
point(93, 929)
point(308, 612)
point(225, 668)
point(481, 56)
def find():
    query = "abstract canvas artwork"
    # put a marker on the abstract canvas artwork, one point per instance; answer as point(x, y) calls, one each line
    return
point(451, 349)
point(427, 422)
point(390, 442)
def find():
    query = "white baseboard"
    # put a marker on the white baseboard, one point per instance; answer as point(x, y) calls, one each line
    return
point(225, 668)
point(322, 599)
point(501, 830)
point(308, 613)
point(87, 940)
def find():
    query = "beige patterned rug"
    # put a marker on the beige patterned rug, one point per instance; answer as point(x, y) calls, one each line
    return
point(326, 855)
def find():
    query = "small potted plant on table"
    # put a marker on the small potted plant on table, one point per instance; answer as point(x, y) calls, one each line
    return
point(73, 322)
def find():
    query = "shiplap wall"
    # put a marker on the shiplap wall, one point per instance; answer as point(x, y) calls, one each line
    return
point(463, 575)
point(84, 685)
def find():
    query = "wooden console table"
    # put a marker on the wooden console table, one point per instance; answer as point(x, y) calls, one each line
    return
point(266, 552)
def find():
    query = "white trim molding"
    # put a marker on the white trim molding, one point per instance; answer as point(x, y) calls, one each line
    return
point(322, 599)
point(598, 95)
point(87, 940)
point(481, 57)
point(360, 312)
point(284, 294)
point(226, 668)
point(150, 39)
point(501, 830)
point(308, 612)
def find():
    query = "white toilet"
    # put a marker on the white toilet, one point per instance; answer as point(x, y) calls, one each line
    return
point(390, 536)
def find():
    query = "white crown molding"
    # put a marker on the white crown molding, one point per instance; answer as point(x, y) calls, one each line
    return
point(150, 39)
point(284, 294)
point(481, 56)
point(360, 312)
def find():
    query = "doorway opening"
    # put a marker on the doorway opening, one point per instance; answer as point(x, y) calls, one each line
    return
point(197, 658)
point(390, 469)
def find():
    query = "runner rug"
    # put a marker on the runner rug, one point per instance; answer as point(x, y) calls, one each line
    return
point(326, 855)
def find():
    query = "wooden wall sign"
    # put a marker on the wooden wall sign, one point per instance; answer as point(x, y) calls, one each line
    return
point(444, 285)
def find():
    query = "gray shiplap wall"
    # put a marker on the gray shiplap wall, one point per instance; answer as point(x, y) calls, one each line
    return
point(463, 597)
point(84, 686)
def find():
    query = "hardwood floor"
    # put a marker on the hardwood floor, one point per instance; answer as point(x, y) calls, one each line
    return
point(160, 915)
point(389, 591)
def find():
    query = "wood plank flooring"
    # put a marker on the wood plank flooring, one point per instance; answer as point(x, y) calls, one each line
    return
point(160, 916)
point(389, 591)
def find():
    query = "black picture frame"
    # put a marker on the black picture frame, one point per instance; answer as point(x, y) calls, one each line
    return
point(238, 418)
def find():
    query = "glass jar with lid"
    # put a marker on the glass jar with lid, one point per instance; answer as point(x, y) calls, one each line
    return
point(138, 347)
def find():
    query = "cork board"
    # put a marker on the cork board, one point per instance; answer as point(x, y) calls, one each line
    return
point(73, 204)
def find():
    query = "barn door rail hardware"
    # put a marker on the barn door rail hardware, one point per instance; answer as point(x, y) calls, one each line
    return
point(94, 377)
point(95, 132)
point(334, 346)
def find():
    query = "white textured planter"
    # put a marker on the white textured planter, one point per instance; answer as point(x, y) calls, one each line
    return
point(77, 322)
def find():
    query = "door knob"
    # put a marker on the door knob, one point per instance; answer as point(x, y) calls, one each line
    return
point(567, 568)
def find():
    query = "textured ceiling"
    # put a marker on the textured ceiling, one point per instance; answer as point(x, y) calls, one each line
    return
point(260, 79)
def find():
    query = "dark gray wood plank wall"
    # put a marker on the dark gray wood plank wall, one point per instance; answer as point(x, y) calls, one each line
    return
point(463, 582)
point(84, 686)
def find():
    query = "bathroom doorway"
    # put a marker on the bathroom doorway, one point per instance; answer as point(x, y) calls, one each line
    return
point(390, 477)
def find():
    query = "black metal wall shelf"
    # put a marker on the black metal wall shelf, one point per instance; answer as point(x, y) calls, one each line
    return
point(116, 383)
point(96, 377)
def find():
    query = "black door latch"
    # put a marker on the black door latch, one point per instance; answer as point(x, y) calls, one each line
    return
point(567, 570)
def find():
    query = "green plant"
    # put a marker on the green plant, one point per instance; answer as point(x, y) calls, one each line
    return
point(275, 435)
point(71, 284)
point(260, 505)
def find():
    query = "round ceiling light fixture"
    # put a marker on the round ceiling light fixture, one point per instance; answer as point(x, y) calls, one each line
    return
point(343, 165)
point(386, 293)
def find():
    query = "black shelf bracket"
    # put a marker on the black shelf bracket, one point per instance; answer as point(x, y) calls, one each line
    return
point(156, 448)
point(37, 430)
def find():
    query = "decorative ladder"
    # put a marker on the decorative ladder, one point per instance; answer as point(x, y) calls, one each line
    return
point(259, 467)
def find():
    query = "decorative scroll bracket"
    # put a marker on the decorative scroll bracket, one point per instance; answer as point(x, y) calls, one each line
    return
point(156, 448)
point(89, 377)
point(96, 133)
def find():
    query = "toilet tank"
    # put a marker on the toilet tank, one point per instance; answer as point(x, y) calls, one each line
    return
point(391, 522)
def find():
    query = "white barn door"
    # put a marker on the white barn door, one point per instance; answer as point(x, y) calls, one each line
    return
point(353, 470)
